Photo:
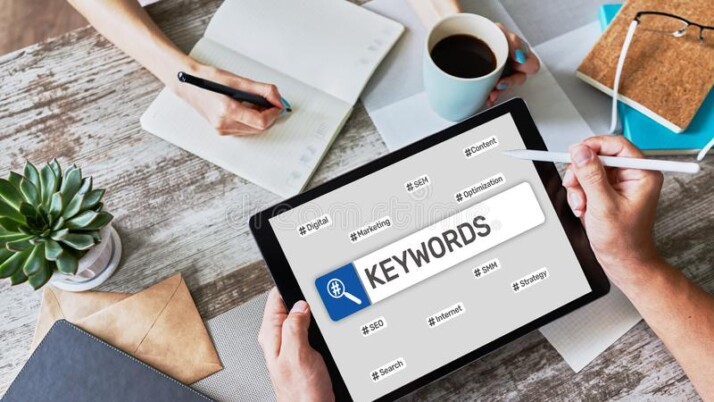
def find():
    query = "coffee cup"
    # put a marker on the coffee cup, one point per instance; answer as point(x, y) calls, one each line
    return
point(460, 92)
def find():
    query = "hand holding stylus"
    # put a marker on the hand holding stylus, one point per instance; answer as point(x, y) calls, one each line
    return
point(609, 161)
point(617, 206)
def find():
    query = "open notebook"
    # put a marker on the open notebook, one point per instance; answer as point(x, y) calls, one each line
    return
point(319, 53)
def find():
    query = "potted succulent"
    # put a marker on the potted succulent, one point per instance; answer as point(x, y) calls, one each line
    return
point(53, 228)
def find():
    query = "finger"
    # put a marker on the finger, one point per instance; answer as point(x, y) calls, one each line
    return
point(492, 98)
point(576, 200)
point(613, 145)
point(267, 91)
point(654, 178)
point(233, 127)
point(575, 194)
point(271, 329)
point(569, 178)
point(530, 66)
point(260, 120)
point(510, 81)
point(641, 188)
point(295, 329)
point(514, 43)
point(523, 59)
point(271, 115)
point(616, 145)
point(612, 176)
point(592, 177)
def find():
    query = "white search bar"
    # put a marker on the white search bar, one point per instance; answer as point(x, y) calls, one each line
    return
point(436, 248)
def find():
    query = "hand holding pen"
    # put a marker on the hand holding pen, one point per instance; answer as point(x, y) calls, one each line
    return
point(233, 105)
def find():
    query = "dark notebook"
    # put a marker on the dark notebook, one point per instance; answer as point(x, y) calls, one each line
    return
point(73, 365)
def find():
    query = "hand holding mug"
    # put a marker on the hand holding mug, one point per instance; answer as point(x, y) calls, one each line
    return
point(523, 63)
point(465, 56)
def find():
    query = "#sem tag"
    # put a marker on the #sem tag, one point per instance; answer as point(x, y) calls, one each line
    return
point(417, 183)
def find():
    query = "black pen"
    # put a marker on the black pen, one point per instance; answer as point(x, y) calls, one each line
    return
point(228, 91)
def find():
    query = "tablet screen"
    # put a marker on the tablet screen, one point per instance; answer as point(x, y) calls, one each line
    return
point(419, 263)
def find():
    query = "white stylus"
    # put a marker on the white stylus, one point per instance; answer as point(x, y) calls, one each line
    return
point(612, 161)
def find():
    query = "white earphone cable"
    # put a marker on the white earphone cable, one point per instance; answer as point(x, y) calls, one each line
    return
point(618, 73)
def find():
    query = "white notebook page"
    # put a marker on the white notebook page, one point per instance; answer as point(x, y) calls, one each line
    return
point(357, 40)
point(280, 159)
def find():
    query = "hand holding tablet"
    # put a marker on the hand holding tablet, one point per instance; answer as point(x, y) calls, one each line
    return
point(292, 363)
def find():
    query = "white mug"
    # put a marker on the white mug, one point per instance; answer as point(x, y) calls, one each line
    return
point(455, 98)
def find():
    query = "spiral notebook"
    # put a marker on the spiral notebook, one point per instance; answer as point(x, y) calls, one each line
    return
point(319, 53)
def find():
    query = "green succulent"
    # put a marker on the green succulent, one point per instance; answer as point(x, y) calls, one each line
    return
point(48, 221)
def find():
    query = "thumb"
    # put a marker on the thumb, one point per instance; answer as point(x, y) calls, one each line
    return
point(295, 328)
point(592, 177)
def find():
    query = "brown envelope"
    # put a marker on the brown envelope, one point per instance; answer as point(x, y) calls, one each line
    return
point(159, 325)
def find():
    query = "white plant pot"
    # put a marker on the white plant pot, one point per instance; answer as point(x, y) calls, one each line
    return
point(95, 267)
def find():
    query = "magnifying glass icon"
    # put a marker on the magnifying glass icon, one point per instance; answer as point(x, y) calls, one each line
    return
point(336, 289)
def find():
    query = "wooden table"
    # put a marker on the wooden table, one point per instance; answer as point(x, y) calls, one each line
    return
point(78, 98)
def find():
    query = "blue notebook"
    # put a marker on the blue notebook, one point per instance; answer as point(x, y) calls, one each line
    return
point(71, 365)
point(653, 138)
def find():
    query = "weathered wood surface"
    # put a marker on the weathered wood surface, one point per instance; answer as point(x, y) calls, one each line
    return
point(78, 98)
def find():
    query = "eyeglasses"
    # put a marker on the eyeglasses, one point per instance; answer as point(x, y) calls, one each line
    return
point(668, 24)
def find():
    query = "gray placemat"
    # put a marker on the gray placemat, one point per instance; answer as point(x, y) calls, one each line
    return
point(244, 376)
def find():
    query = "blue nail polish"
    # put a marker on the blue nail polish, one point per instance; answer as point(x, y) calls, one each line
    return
point(520, 56)
point(525, 48)
point(286, 105)
point(502, 86)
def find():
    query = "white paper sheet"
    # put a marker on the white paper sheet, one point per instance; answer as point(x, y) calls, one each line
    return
point(582, 335)
point(333, 46)
point(563, 54)
point(396, 102)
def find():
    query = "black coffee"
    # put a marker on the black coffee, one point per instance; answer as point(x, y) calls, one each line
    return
point(464, 56)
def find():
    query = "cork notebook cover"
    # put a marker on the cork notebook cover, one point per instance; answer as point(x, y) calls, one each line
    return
point(664, 77)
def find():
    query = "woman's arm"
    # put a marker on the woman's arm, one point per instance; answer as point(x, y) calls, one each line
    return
point(617, 207)
point(126, 24)
point(681, 314)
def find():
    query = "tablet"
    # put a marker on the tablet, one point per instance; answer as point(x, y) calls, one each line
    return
point(427, 258)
